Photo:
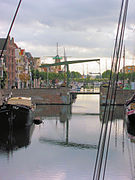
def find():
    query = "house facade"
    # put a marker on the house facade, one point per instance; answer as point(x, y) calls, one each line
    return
point(16, 63)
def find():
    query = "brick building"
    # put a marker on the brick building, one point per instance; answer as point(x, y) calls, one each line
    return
point(37, 63)
point(16, 63)
point(9, 60)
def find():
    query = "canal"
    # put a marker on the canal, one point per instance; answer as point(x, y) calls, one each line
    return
point(64, 146)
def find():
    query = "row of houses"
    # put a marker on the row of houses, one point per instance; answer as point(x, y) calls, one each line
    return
point(17, 64)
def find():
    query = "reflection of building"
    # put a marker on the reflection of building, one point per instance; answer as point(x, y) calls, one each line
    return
point(63, 112)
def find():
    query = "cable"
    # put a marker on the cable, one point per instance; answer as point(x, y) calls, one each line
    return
point(112, 93)
point(10, 28)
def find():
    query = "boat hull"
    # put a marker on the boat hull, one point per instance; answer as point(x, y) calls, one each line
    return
point(15, 116)
point(130, 115)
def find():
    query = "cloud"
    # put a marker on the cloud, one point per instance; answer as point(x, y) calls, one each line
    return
point(86, 28)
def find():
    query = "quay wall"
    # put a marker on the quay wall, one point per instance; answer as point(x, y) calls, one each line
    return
point(61, 95)
point(43, 95)
point(121, 95)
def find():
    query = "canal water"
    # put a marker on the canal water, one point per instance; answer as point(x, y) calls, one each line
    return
point(64, 146)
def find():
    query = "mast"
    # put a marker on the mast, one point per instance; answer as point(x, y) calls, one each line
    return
point(57, 49)
point(123, 65)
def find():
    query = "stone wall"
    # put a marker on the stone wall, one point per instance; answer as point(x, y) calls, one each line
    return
point(62, 96)
point(44, 95)
point(121, 95)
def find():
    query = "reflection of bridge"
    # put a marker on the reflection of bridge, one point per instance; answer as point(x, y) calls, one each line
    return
point(86, 91)
point(83, 92)
point(66, 142)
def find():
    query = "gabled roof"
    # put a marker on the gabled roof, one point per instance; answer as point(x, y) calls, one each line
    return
point(2, 41)
point(28, 54)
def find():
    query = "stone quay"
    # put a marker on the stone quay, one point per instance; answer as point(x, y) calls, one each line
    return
point(41, 95)
point(122, 96)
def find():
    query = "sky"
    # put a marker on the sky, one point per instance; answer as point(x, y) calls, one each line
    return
point(85, 28)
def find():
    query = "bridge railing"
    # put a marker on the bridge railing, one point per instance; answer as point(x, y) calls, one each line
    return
point(91, 90)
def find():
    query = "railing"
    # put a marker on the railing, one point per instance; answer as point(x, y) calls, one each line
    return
point(85, 91)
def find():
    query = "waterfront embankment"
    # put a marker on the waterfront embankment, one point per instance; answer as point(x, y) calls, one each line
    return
point(122, 95)
point(42, 95)
point(61, 95)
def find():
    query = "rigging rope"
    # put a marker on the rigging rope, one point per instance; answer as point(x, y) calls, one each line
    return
point(111, 95)
point(99, 143)
point(124, 21)
point(11, 26)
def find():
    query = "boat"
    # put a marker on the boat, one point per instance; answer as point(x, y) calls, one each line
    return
point(130, 109)
point(17, 112)
point(131, 131)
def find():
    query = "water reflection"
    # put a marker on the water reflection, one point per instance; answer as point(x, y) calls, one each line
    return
point(13, 139)
point(118, 112)
point(66, 143)
point(61, 112)
point(64, 146)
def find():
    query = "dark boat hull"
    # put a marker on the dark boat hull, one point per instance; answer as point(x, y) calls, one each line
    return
point(130, 114)
point(131, 118)
point(15, 116)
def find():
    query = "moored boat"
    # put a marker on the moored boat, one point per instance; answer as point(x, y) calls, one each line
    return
point(131, 131)
point(130, 109)
point(17, 112)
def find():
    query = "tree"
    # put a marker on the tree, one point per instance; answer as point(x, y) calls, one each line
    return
point(106, 74)
point(74, 74)
point(33, 74)
point(3, 80)
point(37, 74)
point(24, 77)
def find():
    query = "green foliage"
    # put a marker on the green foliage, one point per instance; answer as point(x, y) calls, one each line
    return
point(33, 74)
point(74, 74)
point(106, 74)
point(37, 74)
point(126, 76)
point(43, 75)
point(3, 80)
